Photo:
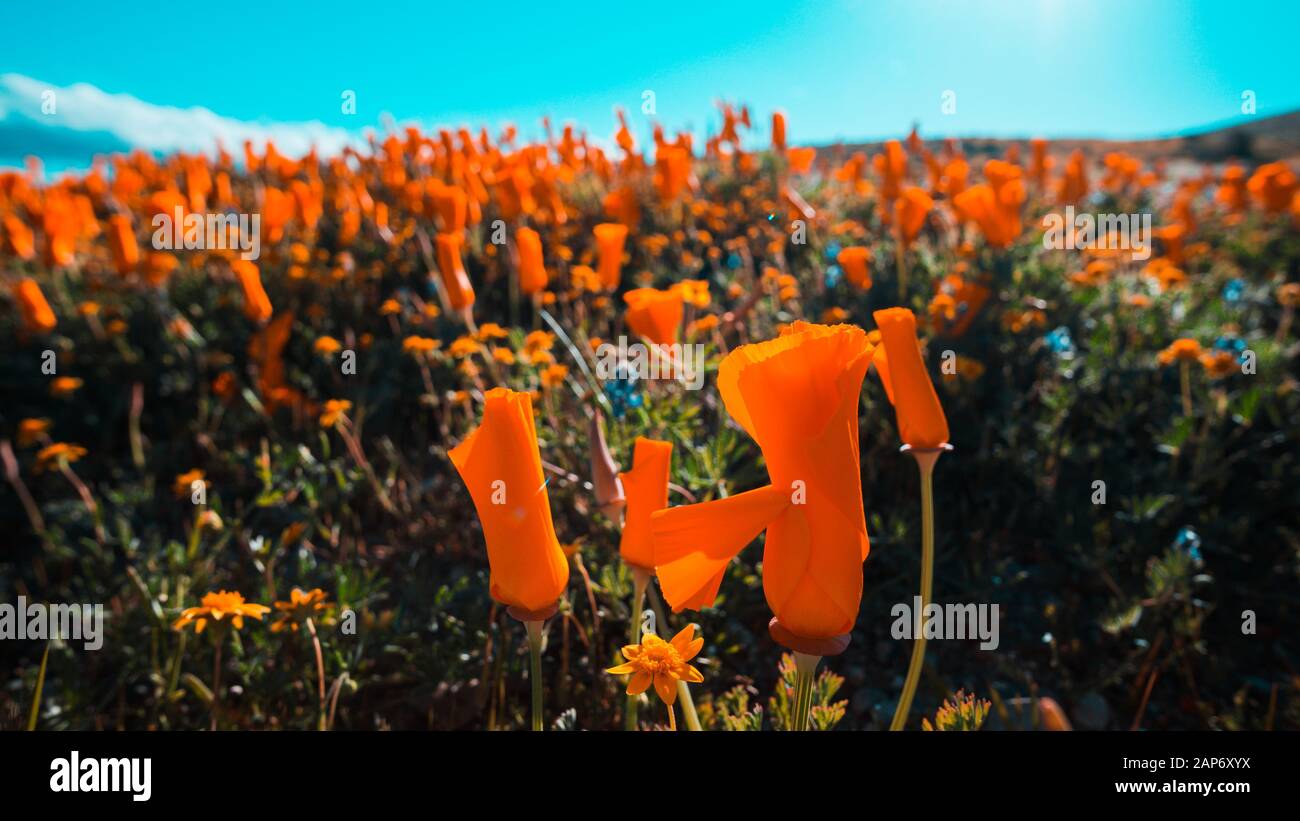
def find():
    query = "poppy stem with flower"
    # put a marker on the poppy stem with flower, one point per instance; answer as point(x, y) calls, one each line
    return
point(924, 430)
point(502, 469)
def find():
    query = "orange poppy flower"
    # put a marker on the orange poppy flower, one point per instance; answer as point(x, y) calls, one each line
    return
point(459, 290)
point(921, 422)
point(646, 490)
point(610, 238)
point(37, 315)
point(18, 237)
point(1073, 185)
point(450, 203)
point(672, 171)
point(158, 266)
point(1174, 237)
point(800, 159)
point(655, 314)
point(532, 269)
point(1273, 186)
point(812, 511)
point(61, 225)
point(257, 305)
point(910, 211)
point(1039, 162)
point(891, 165)
point(122, 244)
point(502, 468)
point(621, 205)
point(856, 262)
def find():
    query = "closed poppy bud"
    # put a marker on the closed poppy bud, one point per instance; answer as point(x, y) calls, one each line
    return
point(856, 262)
point(646, 485)
point(532, 270)
point(257, 305)
point(921, 422)
point(797, 396)
point(37, 316)
point(60, 224)
point(502, 469)
point(18, 237)
point(654, 314)
point(121, 242)
point(778, 131)
point(610, 238)
point(459, 290)
point(604, 474)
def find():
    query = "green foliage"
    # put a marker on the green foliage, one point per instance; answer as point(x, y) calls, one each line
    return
point(824, 714)
point(960, 713)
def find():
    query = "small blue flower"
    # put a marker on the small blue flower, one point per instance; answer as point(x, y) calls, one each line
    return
point(833, 276)
point(1189, 541)
point(1232, 344)
point(833, 250)
point(1233, 291)
point(1060, 342)
point(621, 391)
point(734, 261)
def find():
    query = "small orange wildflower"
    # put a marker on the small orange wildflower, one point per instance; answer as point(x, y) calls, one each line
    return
point(300, 607)
point(59, 453)
point(335, 412)
point(218, 607)
point(1181, 350)
point(661, 663)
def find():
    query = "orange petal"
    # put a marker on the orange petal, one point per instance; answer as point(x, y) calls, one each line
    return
point(646, 488)
point(694, 543)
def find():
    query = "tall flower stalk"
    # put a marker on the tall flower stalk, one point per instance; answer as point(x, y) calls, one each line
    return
point(805, 672)
point(925, 461)
point(502, 469)
point(534, 629)
point(924, 430)
point(640, 580)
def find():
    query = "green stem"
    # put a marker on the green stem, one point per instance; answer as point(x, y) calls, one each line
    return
point(900, 251)
point(688, 707)
point(640, 580)
point(1185, 377)
point(216, 682)
point(805, 669)
point(683, 691)
point(320, 673)
point(925, 459)
point(40, 685)
point(535, 652)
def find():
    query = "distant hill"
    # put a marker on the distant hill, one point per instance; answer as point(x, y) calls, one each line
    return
point(1258, 141)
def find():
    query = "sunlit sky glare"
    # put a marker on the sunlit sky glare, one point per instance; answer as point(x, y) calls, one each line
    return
point(840, 69)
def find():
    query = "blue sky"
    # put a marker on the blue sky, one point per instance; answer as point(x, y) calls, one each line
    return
point(838, 68)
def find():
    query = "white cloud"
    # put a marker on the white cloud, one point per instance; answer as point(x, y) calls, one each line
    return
point(121, 119)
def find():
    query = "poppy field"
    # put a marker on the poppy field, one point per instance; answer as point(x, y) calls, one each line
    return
point(458, 430)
